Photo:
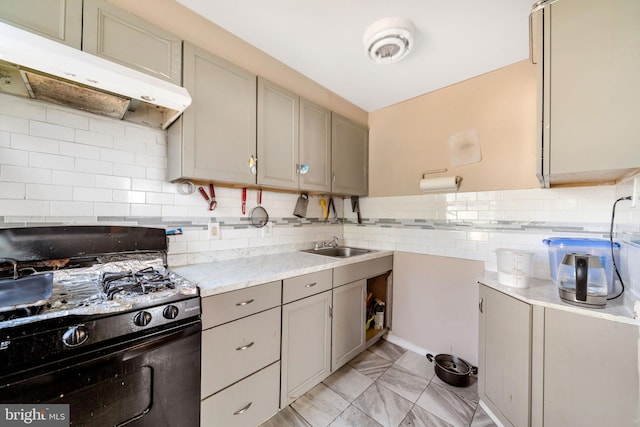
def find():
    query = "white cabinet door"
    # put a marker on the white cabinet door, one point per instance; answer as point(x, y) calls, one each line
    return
point(591, 68)
point(306, 345)
point(590, 371)
point(315, 147)
point(504, 356)
point(350, 156)
point(278, 121)
point(216, 136)
point(59, 20)
point(348, 335)
point(119, 36)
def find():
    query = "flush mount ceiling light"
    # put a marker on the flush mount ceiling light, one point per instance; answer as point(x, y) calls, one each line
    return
point(388, 40)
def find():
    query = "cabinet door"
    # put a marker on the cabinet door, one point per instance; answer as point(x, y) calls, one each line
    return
point(504, 356)
point(117, 35)
point(591, 68)
point(315, 147)
point(59, 20)
point(306, 345)
point(348, 335)
point(278, 117)
point(590, 371)
point(216, 136)
point(246, 403)
point(349, 156)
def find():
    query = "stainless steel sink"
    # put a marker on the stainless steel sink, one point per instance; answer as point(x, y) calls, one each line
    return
point(339, 252)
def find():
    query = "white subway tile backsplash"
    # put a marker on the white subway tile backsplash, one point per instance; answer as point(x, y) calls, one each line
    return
point(25, 174)
point(5, 139)
point(151, 161)
point(74, 178)
point(139, 133)
point(93, 138)
point(54, 161)
point(115, 182)
point(147, 185)
point(107, 127)
point(132, 146)
point(160, 198)
point(14, 124)
point(26, 207)
point(50, 130)
point(68, 119)
point(35, 143)
point(145, 210)
point(179, 211)
point(130, 171)
point(12, 190)
point(79, 150)
point(125, 196)
point(92, 194)
point(117, 156)
point(94, 166)
point(156, 173)
point(16, 107)
point(48, 192)
point(14, 157)
point(112, 209)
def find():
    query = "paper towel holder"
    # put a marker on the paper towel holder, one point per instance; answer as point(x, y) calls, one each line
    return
point(440, 184)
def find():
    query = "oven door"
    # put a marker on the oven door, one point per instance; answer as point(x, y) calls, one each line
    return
point(151, 381)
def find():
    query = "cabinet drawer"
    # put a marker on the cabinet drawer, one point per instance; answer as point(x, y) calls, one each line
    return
point(223, 308)
point(233, 351)
point(305, 285)
point(362, 270)
point(257, 395)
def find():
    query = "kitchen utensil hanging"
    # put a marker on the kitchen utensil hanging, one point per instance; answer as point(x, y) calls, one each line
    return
point(244, 201)
point(325, 211)
point(301, 206)
point(212, 194)
point(212, 201)
point(259, 216)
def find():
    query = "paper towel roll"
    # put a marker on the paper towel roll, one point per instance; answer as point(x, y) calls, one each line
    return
point(443, 183)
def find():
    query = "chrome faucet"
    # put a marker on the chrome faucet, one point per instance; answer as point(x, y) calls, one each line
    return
point(333, 243)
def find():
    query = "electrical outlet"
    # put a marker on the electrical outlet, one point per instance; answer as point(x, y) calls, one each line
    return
point(636, 192)
point(214, 230)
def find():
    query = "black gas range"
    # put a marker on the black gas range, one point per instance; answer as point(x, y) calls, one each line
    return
point(91, 317)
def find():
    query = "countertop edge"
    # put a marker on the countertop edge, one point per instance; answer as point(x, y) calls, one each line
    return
point(218, 277)
point(545, 293)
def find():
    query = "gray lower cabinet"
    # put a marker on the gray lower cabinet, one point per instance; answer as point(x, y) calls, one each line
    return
point(348, 332)
point(589, 92)
point(306, 334)
point(349, 156)
point(59, 20)
point(215, 138)
point(240, 356)
point(119, 36)
point(590, 371)
point(504, 356)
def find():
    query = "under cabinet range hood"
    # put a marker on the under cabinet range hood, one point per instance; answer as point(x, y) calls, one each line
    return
point(39, 68)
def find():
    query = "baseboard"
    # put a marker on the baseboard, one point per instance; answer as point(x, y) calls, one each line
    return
point(491, 414)
point(405, 344)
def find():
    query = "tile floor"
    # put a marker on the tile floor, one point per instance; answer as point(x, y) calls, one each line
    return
point(388, 386)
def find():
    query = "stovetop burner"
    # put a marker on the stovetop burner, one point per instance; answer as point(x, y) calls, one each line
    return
point(138, 282)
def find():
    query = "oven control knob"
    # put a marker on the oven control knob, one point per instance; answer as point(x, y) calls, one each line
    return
point(170, 312)
point(142, 318)
point(75, 336)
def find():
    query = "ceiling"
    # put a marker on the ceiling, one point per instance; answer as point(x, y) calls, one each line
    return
point(454, 40)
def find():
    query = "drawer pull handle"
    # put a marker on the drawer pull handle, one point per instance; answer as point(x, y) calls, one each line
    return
point(244, 347)
point(311, 285)
point(243, 410)
point(243, 303)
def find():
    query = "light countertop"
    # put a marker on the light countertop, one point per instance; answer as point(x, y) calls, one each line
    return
point(545, 293)
point(223, 276)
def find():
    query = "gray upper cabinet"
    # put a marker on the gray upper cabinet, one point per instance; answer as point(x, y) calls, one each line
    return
point(315, 147)
point(216, 136)
point(278, 121)
point(59, 20)
point(294, 140)
point(350, 156)
point(589, 100)
point(116, 35)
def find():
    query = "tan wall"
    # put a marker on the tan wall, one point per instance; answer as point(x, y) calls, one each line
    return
point(189, 26)
point(435, 303)
point(411, 137)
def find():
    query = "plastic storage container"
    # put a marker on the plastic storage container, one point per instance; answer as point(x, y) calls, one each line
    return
point(514, 267)
point(558, 246)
